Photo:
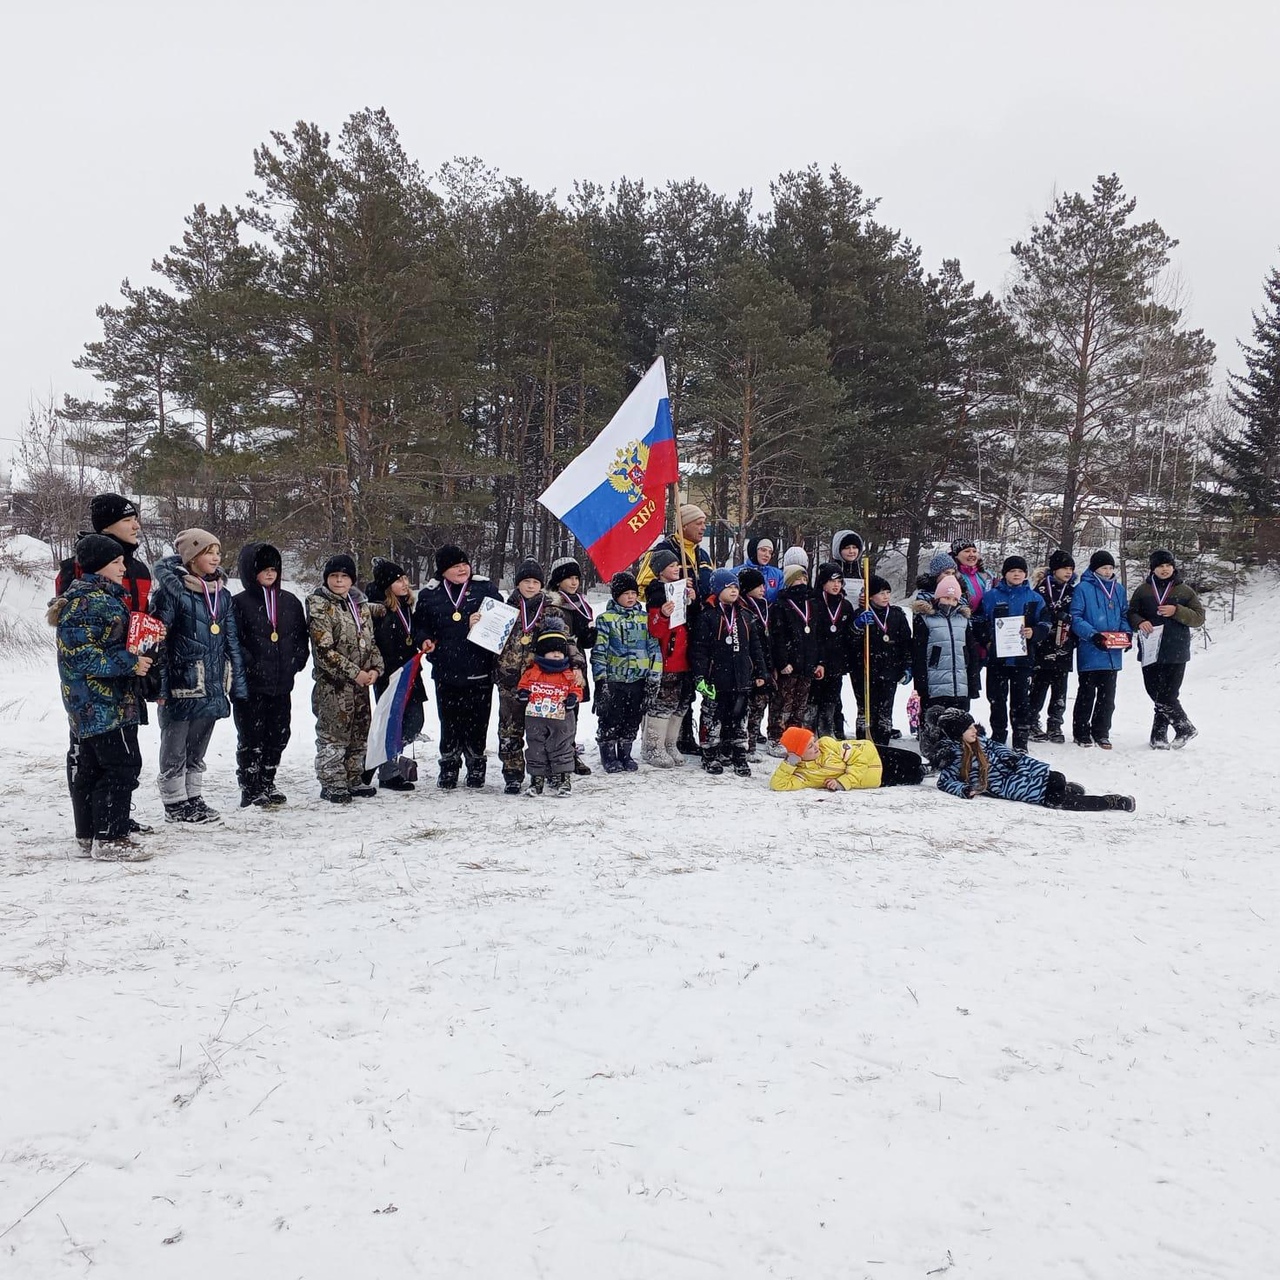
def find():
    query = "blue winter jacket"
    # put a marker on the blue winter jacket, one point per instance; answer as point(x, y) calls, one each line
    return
point(94, 667)
point(1098, 606)
point(1000, 600)
point(771, 574)
point(202, 669)
point(624, 650)
point(1010, 776)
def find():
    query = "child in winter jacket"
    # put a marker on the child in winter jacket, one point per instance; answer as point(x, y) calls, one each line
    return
point(1166, 602)
point(944, 661)
point(1009, 677)
point(548, 691)
point(728, 663)
point(760, 557)
point(974, 765)
point(202, 669)
point(448, 607)
point(753, 592)
point(834, 616)
point(841, 766)
point(564, 592)
point(846, 552)
point(890, 645)
point(391, 600)
point(345, 662)
point(627, 665)
point(1099, 606)
point(98, 676)
point(536, 613)
point(274, 645)
point(1055, 653)
point(793, 639)
point(665, 709)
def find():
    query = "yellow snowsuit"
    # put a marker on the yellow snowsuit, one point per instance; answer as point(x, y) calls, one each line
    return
point(852, 764)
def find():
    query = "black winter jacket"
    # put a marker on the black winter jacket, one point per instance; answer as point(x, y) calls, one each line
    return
point(1175, 639)
point(1057, 649)
point(793, 646)
point(834, 629)
point(761, 613)
point(726, 649)
point(455, 659)
point(396, 644)
point(890, 645)
point(269, 667)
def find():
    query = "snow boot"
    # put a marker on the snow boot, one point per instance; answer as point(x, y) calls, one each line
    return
point(1084, 742)
point(1020, 743)
point(1102, 743)
point(777, 750)
point(562, 785)
point(1036, 733)
point(363, 792)
point(1183, 734)
point(711, 761)
point(84, 846)
point(609, 756)
point(1159, 741)
point(397, 784)
point(1074, 789)
point(1126, 804)
point(475, 772)
point(201, 811)
point(275, 797)
point(669, 743)
point(740, 765)
point(653, 749)
point(1055, 734)
point(580, 766)
point(178, 811)
point(338, 795)
point(624, 756)
point(535, 786)
point(512, 783)
point(120, 849)
point(447, 778)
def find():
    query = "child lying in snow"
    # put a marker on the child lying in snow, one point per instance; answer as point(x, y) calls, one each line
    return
point(841, 766)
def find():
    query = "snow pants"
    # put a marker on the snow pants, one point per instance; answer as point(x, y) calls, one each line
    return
point(1163, 681)
point(1051, 683)
point(183, 744)
point(757, 704)
point(825, 712)
point(548, 745)
point(102, 781)
point(1095, 705)
point(898, 767)
point(883, 694)
point(726, 719)
point(1056, 796)
point(1009, 696)
point(511, 735)
point(619, 710)
point(464, 711)
point(342, 733)
point(787, 704)
point(262, 731)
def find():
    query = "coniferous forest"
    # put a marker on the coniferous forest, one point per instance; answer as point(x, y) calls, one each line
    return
point(370, 356)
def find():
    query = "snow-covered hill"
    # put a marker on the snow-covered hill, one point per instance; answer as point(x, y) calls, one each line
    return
point(674, 1026)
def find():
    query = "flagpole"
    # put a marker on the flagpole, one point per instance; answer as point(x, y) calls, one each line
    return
point(866, 650)
point(679, 531)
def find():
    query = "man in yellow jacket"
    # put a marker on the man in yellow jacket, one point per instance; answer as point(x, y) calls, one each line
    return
point(841, 766)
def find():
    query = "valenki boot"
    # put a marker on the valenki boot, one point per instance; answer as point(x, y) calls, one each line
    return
point(653, 749)
point(670, 743)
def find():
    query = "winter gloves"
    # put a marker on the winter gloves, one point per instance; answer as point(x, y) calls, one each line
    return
point(707, 690)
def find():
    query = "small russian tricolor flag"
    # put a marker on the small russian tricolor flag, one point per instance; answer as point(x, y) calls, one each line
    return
point(386, 728)
point(612, 495)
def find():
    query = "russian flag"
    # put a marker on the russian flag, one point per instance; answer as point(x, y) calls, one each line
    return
point(386, 728)
point(612, 495)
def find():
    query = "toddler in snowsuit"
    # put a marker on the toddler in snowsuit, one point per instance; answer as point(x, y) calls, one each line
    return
point(1009, 678)
point(753, 590)
point(548, 692)
point(564, 592)
point(665, 709)
point(391, 598)
point(973, 765)
point(728, 664)
point(1099, 604)
point(841, 766)
point(890, 658)
point(99, 682)
point(274, 645)
point(833, 615)
point(345, 663)
point(202, 669)
point(627, 665)
point(1055, 653)
point(1165, 601)
point(793, 639)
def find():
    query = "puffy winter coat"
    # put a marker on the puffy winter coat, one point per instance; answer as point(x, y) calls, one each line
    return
point(1098, 606)
point(771, 574)
point(454, 660)
point(540, 615)
point(202, 670)
point(269, 666)
point(793, 635)
point(853, 765)
point(582, 626)
point(726, 649)
point(342, 642)
point(393, 634)
point(625, 649)
point(760, 614)
point(890, 644)
point(1054, 653)
point(1175, 639)
point(95, 669)
point(673, 642)
point(1009, 776)
point(1003, 601)
point(944, 662)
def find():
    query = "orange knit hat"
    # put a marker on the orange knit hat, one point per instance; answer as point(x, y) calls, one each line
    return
point(796, 740)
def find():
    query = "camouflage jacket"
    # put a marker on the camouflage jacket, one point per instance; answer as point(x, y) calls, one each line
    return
point(341, 650)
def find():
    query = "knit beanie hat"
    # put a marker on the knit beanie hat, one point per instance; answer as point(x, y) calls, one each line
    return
point(94, 552)
point(1060, 560)
point(877, 585)
point(663, 559)
point(722, 578)
point(689, 512)
point(565, 567)
point(528, 569)
point(796, 555)
point(551, 639)
point(948, 588)
point(962, 544)
point(796, 739)
point(849, 539)
point(749, 579)
point(622, 582)
point(385, 572)
point(941, 563)
point(828, 571)
point(1099, 558)
point(1161, 556)
point(794, 573)
point(954, 723)
point(193, 542)
point(449, 555)
point(1012, 563)
point(341, 563)
point(106, 508)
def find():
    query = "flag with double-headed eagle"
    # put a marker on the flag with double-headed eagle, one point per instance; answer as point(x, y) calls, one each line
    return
point(613, 494)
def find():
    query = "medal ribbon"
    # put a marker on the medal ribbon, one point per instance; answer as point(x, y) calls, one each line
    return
point(355, 612)
point(804, 615)
point(835, 617)
point(884, 626)
point(731, 620)
point(578, 604)
point(525, 624)
point(211, 603)
point(1108, 589)
point(404, 620)
point(761, 613)
point(462, 595)
point(271, 598)
point(1161, 596)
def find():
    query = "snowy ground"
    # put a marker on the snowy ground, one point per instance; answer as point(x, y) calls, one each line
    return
point(676, 1026)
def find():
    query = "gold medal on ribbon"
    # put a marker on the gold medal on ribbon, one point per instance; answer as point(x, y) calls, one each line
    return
point(457, 617)
point(275, 637)
point(213, 627)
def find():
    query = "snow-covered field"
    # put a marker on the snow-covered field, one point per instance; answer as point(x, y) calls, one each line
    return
point(673, 1027)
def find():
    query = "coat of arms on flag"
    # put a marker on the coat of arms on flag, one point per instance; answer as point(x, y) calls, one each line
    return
point(629, 467)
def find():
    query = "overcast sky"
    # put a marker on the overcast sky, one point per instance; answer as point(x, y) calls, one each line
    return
point(962, 116)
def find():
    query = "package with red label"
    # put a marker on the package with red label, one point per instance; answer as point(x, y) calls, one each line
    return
point(146, 633)
point(1117, 639)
